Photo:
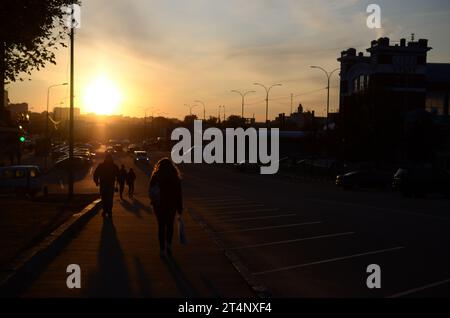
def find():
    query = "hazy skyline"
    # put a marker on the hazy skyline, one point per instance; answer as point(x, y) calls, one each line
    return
point(169, 53)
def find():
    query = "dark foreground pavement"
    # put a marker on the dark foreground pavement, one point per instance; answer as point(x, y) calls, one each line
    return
point(120, 258)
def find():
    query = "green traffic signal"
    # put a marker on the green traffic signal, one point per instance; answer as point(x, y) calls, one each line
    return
point(22, 139)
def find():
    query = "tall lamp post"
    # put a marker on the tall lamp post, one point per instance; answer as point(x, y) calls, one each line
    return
point(190, 108)
point(223, 106)
point(145, 120)
point(328, 74)
point(74, 24)
point(204, 108)
point(47, 116)
point(267, 97)
point(243, 94)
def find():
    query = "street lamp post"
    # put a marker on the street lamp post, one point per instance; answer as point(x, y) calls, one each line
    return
point(145, 120)
point(47, 116)
point(190, 108)
point(204, 108)
point(328, 74)
point(243, 94)
point(267, 97)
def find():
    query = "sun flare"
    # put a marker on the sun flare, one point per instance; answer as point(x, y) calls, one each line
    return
point(102, 96)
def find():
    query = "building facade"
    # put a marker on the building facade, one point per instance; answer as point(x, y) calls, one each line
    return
point(63, 113)
point(386, 99)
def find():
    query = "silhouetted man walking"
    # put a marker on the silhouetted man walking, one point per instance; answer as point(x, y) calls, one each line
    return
point(131, 177)
point(121, 179)
point(106, 174)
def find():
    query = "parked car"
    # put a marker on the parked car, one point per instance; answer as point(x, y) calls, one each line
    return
point(110, 150)
point(421, 181)
point(118, 147)
point(141, 156)
point(20, 180)
point(78, 162)
point(363, 179)
point(247, 167)
point(132, 148)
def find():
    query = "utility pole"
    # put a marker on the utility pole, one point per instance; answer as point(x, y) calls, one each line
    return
point(204, 108)
point(47, 134)
point(267, 98)
point(71, 115)
point(243, 94)
point(292, 102)
point(328, 74)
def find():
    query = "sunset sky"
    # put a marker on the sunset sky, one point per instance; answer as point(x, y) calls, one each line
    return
point(168, 53)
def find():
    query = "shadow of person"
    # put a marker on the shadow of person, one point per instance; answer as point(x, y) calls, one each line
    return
point(112, 279)
point(142, 206)
point(133, 208)
point(143, 279)
point(145, 168)
point(181, 281)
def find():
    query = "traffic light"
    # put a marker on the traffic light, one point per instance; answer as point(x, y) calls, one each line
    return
point(22, 138)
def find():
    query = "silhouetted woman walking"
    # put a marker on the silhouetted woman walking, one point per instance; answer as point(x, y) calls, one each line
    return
point(165, 193)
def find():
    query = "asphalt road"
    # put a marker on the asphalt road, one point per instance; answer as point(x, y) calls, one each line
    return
point(310, 239)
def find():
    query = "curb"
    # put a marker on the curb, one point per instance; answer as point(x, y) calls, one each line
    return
point(258, 288)
point(27, 266)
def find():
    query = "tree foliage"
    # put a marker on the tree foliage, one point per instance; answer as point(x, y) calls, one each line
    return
point(30, 31)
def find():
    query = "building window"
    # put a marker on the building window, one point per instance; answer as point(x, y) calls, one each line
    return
point(361, 83)
point(435, 103)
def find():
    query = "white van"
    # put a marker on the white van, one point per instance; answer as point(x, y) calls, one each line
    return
point(20, 180)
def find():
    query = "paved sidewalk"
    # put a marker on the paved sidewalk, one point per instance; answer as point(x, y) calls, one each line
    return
point(121, 259)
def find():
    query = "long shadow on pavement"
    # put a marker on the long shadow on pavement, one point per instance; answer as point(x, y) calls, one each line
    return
point(143, 279)
point(181, 281)
point(133, 208)
point(142, 206)
point(112, 278)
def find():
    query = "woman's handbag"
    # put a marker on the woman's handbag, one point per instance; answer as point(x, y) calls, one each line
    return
point(181, 231)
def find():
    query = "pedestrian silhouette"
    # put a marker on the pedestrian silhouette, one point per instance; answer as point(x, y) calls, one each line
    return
point(121, 179)
point(166, 199)
point(105, 175)
point(131, 177)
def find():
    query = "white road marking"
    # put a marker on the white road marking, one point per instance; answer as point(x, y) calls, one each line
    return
point(227, 204)
point(361, 206)
point(214, 197)
point(257, 218)
point(270, 227)
point(222, 199)
point(286, 268)
point(236, 206)
point(415, 290)
point(293, 241)
point(220, 214)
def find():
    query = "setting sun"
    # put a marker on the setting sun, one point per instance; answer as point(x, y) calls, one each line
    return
point(102, 96)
